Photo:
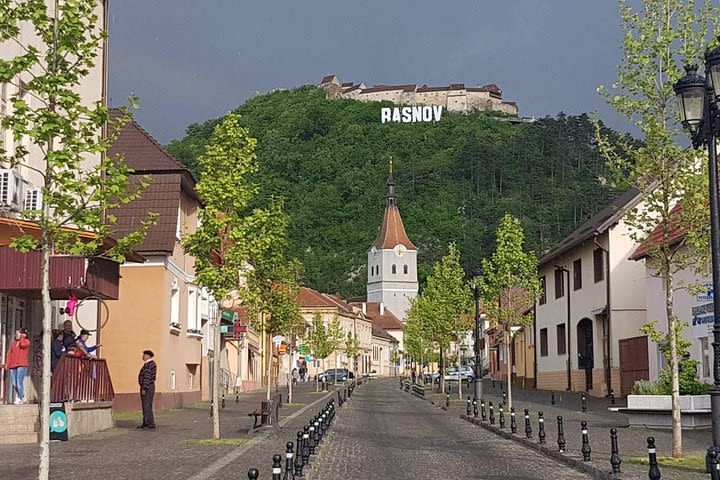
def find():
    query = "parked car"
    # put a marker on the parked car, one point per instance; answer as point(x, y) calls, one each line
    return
point(452, 374)
point(335, 374)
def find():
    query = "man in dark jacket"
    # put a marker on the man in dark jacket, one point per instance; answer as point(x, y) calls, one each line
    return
point(146, 379)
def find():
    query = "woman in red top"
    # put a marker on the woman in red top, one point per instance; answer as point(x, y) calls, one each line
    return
point(17, 362)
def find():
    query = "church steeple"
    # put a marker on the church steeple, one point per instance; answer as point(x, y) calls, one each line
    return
point(391, 198)
point(392, 230)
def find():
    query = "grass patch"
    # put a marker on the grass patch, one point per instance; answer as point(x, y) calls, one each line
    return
point(232, 442)
point(689, 463)
point(200, 406)
point(127, 416)
point(294, 404)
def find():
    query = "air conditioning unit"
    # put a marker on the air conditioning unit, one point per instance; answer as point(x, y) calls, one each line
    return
point(33, 198)
point(11, 190)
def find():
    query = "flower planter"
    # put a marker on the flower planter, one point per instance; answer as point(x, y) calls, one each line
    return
point(655, 411)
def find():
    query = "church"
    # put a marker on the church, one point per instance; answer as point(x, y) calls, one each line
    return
point(392, 262)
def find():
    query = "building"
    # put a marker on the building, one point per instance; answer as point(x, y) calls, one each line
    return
point(455, 97)
point(695, 309)
point(592, 306)
point(160, 308)
point(387, 334)
point(80, 277)
point(392, 261)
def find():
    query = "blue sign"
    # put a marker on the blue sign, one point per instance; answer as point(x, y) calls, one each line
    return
point(707, 296)
point(58, 422)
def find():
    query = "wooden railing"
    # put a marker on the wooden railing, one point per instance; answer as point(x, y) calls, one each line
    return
point(81, 379)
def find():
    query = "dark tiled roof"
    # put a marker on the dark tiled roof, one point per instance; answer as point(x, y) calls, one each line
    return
point(603, 220)
point(425, 89)
point(162, 196)
point(327, 79)
point(457, 86)
point(381, 333)
point(347, 84)
point(390, 88)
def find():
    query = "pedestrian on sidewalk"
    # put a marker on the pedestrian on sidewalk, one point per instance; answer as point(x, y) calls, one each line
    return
point(57, 349)
point(16, 361)
point(146, 379)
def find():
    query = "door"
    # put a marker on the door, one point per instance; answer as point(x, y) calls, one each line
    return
point(634, 363)
point(585, 350)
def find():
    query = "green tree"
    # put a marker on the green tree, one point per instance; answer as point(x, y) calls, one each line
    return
point(230, 231)
point(69, 131)
point(323, 339)
point(509, 285)
point(352, 349)
point(659, 36)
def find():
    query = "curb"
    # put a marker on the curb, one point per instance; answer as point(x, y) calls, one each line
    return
point(542, 448)
point(287, 419)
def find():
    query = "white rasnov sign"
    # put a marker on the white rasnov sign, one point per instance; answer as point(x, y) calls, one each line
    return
point(417, 114)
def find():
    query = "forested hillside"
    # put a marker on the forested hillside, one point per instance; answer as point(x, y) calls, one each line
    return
point(455, 179)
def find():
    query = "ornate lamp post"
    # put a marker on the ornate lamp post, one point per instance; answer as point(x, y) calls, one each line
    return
point(698, 98)
point(478, 340)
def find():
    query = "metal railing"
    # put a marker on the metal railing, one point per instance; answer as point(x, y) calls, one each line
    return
point(81, 379)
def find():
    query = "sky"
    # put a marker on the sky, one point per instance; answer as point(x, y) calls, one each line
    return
point(192, 60)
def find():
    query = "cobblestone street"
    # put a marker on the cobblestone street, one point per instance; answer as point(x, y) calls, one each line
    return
point(385, 433)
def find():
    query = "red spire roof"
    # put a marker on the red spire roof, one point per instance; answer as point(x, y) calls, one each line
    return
point(392, 230)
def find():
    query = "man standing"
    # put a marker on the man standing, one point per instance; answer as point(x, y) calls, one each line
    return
point(146, 379)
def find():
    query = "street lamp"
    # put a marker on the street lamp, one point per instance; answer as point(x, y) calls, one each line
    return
point(478, 335)
point(698, 103)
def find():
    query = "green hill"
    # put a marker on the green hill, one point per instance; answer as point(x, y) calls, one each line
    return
point(455, 178)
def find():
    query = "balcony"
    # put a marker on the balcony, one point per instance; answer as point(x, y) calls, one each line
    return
point(81, 380)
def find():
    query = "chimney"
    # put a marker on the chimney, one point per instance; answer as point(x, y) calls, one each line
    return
point(382, 308)
point(364, 308)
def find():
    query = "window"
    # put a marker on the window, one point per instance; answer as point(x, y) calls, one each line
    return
point(705, 352)
point(192, 309)
point(543, 342)
point(394, 269)
point(172, 380)
point(561, 345)
point(559, 283)
point(405, 269)
point(599, 265)
point(577, 274)
point(543, 290)
point(175, 305)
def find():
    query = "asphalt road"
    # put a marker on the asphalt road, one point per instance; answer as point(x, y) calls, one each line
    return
point(384, 433)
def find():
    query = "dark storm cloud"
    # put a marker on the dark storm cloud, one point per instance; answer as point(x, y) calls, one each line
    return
point(190, 60)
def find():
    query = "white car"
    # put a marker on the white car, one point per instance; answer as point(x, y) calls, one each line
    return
point(452, 374)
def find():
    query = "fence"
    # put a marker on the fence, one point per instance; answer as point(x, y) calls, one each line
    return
point(81, 379)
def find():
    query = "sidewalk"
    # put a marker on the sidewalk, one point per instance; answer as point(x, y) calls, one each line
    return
point(631, 441)
point(126, 452)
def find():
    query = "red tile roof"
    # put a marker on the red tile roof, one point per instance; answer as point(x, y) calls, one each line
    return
point(392, 230)
point(675, 234)
point(386, 321)
point(310, 298)
point(381, 333)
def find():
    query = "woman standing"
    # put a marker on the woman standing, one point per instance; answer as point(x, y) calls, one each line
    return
point(17, 362)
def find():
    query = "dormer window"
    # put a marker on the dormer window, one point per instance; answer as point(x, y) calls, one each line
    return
point(394, 269)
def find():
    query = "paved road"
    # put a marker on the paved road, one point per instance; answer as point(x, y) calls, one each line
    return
point(384, 433)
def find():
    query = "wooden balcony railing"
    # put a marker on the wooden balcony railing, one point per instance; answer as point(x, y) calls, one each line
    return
point(81, 379)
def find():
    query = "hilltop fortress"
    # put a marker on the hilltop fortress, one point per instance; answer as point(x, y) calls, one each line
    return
point(455, 97)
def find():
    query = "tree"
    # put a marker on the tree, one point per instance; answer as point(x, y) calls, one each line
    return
point(352, 348)
point(230, 231)
point(69, 132)
point(509, 285)
point(323, 339)
point(659, 37)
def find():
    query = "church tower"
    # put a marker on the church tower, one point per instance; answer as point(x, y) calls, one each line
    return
point(392, 261)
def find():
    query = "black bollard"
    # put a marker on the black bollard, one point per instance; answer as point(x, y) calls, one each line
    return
point(583, 401)
point(401, 384)
point(298, 455)
point(528, 428)
point(654, 472)
point(468, 406)
point(612, 397)
point(237, 398)
point(561, 436)
point(483, 416)
point(501, 384)
point(504, 398)
point(475, 410)
point(306, 445)
point(316, 424)
point(585, 442)
point(313, 438)
point(253, 474)
point(447, 399)
point(714, 463)
point(614, 455)
point(552, 398)
point(222, 404)
point(289, 455)
point(492, 414)
point(277, 467)
point(493, 383)
point(541, 427)
point(513, 422)
point(502, 416)
point(345, 395)
point(339, 398)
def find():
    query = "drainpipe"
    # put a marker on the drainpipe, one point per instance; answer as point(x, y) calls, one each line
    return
point(534, 343)
point(606, 253)
point(569, 362)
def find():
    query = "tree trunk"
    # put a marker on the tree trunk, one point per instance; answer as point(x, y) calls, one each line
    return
point(442, 371)
point(677, 451)
point(460, 376)
point(508, 362)
point(44, 466)
point(269, 366)
point(290, 375)
point(216, 376)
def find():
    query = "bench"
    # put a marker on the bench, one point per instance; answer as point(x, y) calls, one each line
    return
point(267, 415)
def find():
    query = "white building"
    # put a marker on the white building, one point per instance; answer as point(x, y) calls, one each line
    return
point(592, 307)
point(392, 262)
